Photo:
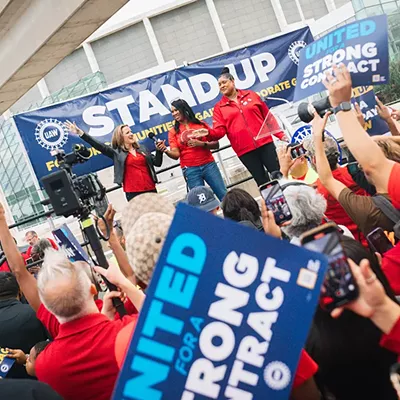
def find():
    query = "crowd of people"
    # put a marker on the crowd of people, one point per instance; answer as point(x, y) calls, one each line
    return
point(68, 339)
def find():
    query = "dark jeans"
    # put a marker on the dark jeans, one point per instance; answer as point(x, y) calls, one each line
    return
point(257, 160)
point(195, 176)
point(130, 195)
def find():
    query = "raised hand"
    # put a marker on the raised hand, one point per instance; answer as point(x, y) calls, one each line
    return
point(382, 110)
point(359, 114)
point(73, 128)
point(339, 86)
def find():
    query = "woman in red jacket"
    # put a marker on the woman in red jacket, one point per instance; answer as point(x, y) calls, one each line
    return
point(240, 114)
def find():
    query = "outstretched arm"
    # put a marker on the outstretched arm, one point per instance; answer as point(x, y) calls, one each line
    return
point(324, 171)
point(106, 150)
point(26, 281)
point(361, 145)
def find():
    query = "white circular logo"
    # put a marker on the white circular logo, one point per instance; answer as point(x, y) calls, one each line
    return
point(51, 134)
point(277, 375)
point(4, 368)
point(294, 51)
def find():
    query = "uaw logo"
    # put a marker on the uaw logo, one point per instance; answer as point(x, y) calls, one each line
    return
point(51, 134)
point(294, 50)
point(277, 375)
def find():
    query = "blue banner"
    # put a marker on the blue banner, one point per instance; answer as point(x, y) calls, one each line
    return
point(268, 68)
point(212, 298)
point(361, 45)
point(365, 97)
point(5, 363)
point(67, 241)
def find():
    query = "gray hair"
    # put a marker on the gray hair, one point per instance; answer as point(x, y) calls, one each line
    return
point(307, 207)
point(331, 150)
point(64, 288)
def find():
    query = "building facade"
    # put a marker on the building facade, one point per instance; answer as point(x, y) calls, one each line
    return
point(143, 39)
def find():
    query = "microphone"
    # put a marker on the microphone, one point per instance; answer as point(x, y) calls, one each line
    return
point(152, 137)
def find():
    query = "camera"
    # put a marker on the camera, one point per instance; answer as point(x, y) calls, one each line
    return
point(306, 113)
point(72, 195)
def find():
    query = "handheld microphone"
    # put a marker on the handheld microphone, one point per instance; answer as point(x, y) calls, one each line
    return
point(152, 136)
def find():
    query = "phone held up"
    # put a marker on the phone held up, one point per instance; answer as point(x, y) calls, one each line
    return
point(378, 241)
point(275, 201)
point(297, 151)
point(339, 287)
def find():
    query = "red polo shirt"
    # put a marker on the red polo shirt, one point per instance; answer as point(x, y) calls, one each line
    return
point(80, 363)
point(137, 176)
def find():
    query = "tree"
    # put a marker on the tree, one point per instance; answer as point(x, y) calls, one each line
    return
point(390, 93)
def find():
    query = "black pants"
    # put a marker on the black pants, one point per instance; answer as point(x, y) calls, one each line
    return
point(257, 160)
point(130, 195)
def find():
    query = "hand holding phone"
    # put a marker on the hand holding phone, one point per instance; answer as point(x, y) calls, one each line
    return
point(297, 151)
point(275, 201)
point(378, 241)
point(339, 287)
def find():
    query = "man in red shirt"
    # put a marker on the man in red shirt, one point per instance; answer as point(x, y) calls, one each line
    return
point(79, 363)
point(32, 238)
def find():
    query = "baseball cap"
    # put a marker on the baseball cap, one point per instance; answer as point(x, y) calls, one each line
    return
point(202, 197)
point(145, 222)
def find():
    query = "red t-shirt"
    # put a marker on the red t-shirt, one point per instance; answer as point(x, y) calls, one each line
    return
point(29, 251)
point(4, 267)
point(391, 268)
point(137, 176)
point(394, 185)
point(334, 211)
point(190, 156)
point(306, 369)
point(80, 362)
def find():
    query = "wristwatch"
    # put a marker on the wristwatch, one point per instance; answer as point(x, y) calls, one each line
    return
point(344, 106)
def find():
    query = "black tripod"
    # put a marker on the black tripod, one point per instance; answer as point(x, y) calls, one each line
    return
point(94, 242)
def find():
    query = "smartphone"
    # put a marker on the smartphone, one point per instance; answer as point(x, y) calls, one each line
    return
point(275, 201)
point(339, 287)
point(297, 151)
point(353, 168)
point(378, 241)
point(29, 261)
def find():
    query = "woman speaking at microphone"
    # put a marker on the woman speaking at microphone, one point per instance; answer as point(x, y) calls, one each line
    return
point(241, 114)
point(133, 165)
point(187, 141)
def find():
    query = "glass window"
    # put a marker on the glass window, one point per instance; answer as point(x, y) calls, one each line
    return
point(389, 7)
point(369, 3)
point(358, 5)
point(372, 11)
point(361, 14)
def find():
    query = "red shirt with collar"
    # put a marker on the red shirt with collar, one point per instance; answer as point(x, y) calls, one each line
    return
point(137, 176)
point(80, 362)
point(242, 122)
point(190, 156)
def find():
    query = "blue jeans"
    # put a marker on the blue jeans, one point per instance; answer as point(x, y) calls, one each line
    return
point(195, 176)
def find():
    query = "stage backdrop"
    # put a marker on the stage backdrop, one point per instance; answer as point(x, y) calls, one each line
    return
point(268, 68)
